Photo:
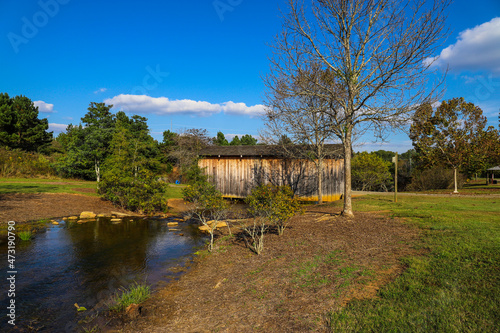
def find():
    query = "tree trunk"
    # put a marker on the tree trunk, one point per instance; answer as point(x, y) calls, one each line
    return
point(456, 191)
point(320, 181)
point(97, 172)
point(347, 210)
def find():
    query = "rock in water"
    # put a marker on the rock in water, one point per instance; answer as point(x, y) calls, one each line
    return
point(221, 224)
point(204, 228)
point(87, 215)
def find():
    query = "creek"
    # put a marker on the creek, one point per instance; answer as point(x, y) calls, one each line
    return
point(88, 264)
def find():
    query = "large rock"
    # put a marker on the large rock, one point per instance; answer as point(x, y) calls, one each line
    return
point(221, 224)
point(87, 215)
point(120, 214)
point(204, 228)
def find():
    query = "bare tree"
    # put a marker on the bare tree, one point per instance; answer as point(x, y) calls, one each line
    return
point(303, 118)
point(208, 207)
point(378, 53)
point(184, 150)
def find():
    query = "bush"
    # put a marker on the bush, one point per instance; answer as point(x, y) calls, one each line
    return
point(277, 204)
point(194, 174)
point(18, 163)
point(370, 172)
point(434, 179)
point(256, 231)
point(208, 206)
point(144, 194)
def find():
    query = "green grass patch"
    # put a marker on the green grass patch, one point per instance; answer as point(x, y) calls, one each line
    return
point(135, 294)
point(25, 235)
point(453, 288)
point(59, 185)
point(36, 185)
point(311, 273)
point(174, 191)
point(473, 187)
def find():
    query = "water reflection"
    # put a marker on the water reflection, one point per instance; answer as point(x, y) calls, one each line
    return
point(86, 264)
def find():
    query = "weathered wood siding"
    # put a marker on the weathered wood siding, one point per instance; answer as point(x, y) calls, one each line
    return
point(235, 177)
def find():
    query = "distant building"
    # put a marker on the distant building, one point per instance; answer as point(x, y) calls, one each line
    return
point(236, 170)
point(491, 173)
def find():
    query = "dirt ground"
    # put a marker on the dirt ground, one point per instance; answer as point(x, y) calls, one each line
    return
point(320, 263)
point(23, 207)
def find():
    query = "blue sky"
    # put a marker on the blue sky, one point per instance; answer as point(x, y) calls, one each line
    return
point(194, 63)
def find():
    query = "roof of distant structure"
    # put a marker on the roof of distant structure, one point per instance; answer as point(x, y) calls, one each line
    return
point(497, 168)
point(292, 151)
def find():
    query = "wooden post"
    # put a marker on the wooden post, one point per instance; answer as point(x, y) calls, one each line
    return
point(395, 160)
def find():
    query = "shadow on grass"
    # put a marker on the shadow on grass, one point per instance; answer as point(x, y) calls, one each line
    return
point(22, 188)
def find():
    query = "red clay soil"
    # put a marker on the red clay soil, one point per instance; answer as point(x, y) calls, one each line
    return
point(23, 207)
point(320, 263)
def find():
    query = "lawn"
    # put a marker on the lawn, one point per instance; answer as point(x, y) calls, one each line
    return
point(39, 185)
point(473, 187)
point(454, 286)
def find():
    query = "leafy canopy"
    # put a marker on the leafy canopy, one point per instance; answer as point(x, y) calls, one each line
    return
point(454, 135)
point(275, 203)
point(370, 172)
point(20, 127)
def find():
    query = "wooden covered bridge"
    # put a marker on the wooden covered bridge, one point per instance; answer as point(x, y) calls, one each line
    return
point(236, 170)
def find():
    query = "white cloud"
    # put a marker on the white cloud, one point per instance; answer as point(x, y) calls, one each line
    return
point(163, 106)
point(243, 109)
point(436, 104)
point(100, 90)
point(476, 49)
point(57, 128)
point(44, 107)
point(471, 79)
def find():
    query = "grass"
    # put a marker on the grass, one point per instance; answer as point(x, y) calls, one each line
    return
point(59, 185)
point(473, 187)
point(455, 287)
point(174, 191)
point(25, 235)
point(135, 294)
point(38, 185)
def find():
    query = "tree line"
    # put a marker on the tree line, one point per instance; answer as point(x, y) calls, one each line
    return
point(453, 135)
point(451, 141)
point(340, 69)
point(114, 149)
